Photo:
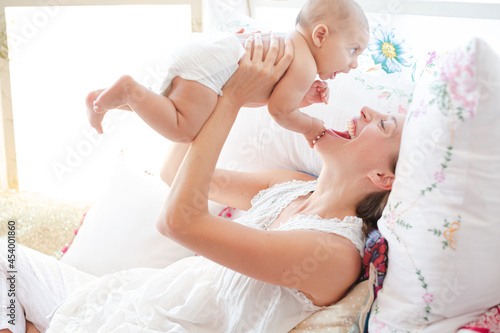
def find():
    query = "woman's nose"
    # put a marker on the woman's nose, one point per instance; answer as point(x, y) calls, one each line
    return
point(366, 114)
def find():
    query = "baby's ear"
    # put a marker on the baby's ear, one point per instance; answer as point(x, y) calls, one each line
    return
point(319, 34)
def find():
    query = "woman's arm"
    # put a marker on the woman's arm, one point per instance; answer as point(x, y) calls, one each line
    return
point(232, 188)
point(276, 257)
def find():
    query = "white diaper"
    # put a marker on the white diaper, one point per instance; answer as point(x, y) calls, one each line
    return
point(208, 58)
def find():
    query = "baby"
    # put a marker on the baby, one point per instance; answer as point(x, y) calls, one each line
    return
point(328, 38)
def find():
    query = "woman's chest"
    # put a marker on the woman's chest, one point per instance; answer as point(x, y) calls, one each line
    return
point(284, 216)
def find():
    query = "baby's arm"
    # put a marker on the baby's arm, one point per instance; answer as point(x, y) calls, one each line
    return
point(289, 93)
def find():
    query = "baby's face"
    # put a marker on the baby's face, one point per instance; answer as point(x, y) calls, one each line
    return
point(341, 50)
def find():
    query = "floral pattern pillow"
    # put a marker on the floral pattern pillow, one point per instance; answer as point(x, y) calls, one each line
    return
point(389, 50)
point(390, 54)
point(441, 218)
point(375, 254)
point(487, 323)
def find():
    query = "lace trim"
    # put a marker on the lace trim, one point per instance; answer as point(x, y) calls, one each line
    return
point(350, 227)
point(261, 193)
point(270, 202)
point(304, 298)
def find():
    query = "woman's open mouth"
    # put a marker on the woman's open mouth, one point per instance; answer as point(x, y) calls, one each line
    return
point(351, 128)
point(344, 135)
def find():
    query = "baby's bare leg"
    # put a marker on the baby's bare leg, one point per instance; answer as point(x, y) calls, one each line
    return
point(95, 119)
point(30, 328)
point(178, 117)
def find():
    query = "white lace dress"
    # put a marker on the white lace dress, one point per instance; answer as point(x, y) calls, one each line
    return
point(198, 295)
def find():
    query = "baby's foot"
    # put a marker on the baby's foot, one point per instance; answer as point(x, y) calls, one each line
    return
point(95, 119)
point(115, 96)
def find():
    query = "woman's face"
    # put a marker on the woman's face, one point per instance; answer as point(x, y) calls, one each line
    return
point(371, 142)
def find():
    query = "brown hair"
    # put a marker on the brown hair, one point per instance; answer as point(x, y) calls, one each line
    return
point(371, 207)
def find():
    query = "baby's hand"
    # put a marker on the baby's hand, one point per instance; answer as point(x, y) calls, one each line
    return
point(318, 93)
point(317, 131)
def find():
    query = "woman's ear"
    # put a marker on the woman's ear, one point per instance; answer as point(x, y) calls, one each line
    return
point(382, 180)
point(319, 34)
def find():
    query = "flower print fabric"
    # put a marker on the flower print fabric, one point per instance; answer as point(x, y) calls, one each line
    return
point(376, 254)
point(389, 50)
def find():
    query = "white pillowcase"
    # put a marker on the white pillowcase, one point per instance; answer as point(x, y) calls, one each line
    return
point(119, 231)
point(441, 221)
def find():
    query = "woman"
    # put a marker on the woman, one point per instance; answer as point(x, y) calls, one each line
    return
point(282, 263)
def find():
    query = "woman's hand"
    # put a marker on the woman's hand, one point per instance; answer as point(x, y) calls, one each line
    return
point(258, 73)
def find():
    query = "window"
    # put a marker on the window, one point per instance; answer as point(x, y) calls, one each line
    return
point(59, 54)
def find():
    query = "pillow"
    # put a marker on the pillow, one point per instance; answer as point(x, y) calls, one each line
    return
point(375, 255)
point(222, 16)
point(119, 231)
point(487, 323)
point(441, 221)
point(348, 313)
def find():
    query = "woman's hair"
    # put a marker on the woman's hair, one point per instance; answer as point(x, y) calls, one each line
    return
point(371, 207)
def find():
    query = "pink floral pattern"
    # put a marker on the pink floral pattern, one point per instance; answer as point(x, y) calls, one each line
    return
point(432, 56)
point(428, 298)
point(439, 176)
point(489, 322)
point(456, 87)
point(402, 110)
point(392, 219)
point(420, 110)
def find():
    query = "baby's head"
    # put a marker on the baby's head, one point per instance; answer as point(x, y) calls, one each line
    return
point(337, 33)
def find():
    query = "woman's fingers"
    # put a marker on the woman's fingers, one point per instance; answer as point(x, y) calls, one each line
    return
point(274, 47)
point(258, 49)
point(248, 50)
point(256, 76)
point(285, 61)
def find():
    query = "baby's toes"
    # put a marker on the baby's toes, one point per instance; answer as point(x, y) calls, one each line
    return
point(98, 108)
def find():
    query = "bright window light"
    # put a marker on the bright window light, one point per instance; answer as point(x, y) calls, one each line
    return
point(277, 19)
point(58, 55)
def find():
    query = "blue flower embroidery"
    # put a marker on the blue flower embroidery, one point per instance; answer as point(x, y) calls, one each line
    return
point(389, 50)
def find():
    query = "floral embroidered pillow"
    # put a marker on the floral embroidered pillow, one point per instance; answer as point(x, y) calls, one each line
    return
point(441, 221)
point(376, 254)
